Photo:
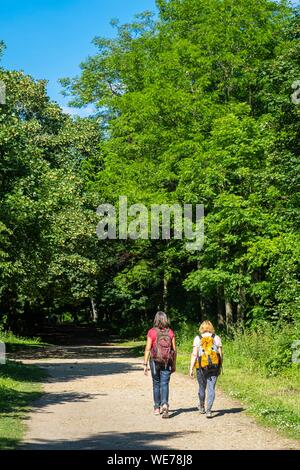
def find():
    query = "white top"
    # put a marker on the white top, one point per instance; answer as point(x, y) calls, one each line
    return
point(197, 340)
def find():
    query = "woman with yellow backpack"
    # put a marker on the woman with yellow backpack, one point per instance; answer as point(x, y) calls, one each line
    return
point(207, 358)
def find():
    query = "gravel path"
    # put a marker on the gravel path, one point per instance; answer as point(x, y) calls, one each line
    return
point(98, 398)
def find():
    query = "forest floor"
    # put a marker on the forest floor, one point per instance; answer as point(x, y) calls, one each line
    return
point(97, 397)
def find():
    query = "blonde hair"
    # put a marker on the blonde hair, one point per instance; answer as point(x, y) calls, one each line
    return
point(206, 327)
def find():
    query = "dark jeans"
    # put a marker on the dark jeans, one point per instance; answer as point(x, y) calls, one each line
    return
point(161, 379)
point(208, 382)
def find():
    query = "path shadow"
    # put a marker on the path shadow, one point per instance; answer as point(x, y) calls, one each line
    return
point(69, 342)
point(7, 444)
point(216, 413)
point(38, 402)
point(76, 352)
point(70, 335)
point(12, 403)
point(112, 441)
point(227, 411)
point(68, 371)
point(178, 412)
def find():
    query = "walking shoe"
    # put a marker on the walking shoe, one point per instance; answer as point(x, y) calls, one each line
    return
point(165, 411)
point(156, 411)
point(201, 409)
point(208, 414)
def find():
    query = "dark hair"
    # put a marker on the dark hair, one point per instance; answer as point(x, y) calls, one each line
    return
point(161, 320)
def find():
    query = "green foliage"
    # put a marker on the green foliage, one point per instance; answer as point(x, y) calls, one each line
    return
point(197, 109)
point(265, 348)
point(46, 230)
point(193, 106)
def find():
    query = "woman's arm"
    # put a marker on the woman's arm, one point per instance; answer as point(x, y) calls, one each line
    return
point(220, 353)
point(194, 356)
point(147, 354)
point(173, 368)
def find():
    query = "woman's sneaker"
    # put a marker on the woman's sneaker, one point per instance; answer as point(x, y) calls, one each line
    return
point(165, 411)
point(156, 411)
point(201, 409)
point(209, 414)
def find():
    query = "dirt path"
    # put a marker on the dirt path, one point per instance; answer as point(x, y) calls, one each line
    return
point(98, 398)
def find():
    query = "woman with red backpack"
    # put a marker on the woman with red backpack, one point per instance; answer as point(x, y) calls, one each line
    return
point(161, 348)
point(207, 357)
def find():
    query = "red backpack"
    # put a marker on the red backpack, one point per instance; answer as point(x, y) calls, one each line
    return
point(162, 348)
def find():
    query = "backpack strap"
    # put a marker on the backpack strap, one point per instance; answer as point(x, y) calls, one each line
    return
point(199, 347)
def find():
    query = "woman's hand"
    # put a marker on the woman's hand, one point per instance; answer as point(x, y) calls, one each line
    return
point(147, 354)
point(193, 361)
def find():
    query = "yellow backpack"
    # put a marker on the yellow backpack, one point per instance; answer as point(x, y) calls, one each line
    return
point(208, 358)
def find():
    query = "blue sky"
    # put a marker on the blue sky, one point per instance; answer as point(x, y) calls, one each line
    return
point(49, 38)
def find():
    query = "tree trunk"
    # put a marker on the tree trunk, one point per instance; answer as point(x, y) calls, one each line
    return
point(220, 312)
point(242, 299)
point(228, 313)
point(94, 311)
point(241, 305)
point(201, 301)
point(165, 295)
point(202, 310)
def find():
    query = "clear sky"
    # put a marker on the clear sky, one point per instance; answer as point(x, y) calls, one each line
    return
point(49, 38)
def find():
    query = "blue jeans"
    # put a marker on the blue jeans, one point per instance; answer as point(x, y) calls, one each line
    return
point(161, 379)
point(208, 382)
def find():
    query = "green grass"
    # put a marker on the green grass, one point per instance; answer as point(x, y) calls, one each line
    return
point(259, 373)
point(15, 344)
point(20, 385)
point(274, 401)
point(10, 339)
